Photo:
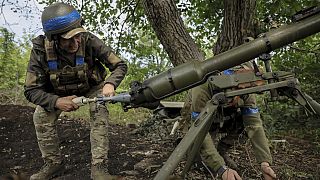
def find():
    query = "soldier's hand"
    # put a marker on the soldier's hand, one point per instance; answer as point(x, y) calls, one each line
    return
point(230, 174)
point(66, 104)
point(267, 171)
point(108, 90)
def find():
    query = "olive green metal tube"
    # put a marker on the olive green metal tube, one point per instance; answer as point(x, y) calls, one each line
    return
point(197, 132)
point(191, 74)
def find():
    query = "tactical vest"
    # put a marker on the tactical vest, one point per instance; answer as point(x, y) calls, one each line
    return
point(67, 80)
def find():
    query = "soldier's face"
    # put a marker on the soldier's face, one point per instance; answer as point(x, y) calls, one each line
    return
point(70, 45)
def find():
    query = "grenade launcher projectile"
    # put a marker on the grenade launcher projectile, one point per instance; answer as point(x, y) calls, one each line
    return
point(122, 98)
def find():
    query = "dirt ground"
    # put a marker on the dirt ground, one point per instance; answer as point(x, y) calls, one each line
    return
point(132, 156)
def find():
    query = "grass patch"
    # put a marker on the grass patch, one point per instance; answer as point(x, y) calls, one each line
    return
point(116, 114)
point(135, 115)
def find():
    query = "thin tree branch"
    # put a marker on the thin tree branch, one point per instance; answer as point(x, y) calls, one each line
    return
point(305, 50)
point(121, 30)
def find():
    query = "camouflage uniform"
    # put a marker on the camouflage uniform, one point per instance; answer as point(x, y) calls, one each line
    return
point(251, 121)
point(185, 111)
point(39, 90)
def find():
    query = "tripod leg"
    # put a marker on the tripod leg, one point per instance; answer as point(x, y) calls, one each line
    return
point(193, 139)
point(314, 104)
point(303, 99)
point(194, 149)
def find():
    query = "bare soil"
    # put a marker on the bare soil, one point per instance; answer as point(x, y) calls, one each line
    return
point(133, 156)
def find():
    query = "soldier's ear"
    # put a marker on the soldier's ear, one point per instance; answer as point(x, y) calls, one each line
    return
point(55, 37)
point(82, 22)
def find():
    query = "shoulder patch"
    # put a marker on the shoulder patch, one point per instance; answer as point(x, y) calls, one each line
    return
point(31, 79)
point(113, 59)
point(38, 43)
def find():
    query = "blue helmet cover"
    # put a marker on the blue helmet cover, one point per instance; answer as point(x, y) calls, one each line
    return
point(61, 21)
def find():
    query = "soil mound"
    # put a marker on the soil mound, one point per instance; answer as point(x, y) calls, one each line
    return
point(131, 155)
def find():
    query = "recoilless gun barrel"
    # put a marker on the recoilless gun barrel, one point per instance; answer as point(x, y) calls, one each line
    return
point(194, 73)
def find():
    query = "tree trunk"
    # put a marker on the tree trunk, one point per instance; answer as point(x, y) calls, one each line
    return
point(237, 24)
point(165, 19)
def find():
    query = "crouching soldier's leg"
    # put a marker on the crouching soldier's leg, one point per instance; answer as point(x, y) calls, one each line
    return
point(253, 126)
point(224, 145)
point(99, 140)
point(99, 116)
point(209, 154)
point(215, 162)
point(48, 141)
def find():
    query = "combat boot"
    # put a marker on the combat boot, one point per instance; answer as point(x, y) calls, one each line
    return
point(100, 172)
point(48, 171)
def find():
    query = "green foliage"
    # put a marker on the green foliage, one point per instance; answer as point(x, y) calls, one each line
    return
point(281, 11)
point(287, 118)
point(13, 60)
point(13, 96)
point(203, 19)
point(303, 59)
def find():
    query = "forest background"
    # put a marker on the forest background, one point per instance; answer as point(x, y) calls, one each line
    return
point(128, 27)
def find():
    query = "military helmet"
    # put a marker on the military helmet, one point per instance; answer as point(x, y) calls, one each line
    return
point(59, 18)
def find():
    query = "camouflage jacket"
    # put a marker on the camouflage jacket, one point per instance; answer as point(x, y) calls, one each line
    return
point(38, 88)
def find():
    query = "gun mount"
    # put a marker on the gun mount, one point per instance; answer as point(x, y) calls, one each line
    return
point(191, 74)
point(229, 87)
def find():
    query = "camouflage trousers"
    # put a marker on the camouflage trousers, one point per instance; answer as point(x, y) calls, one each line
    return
point(46, 130)
point(251, 121)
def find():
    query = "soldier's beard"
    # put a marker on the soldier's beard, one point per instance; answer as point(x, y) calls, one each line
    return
point(72, 50)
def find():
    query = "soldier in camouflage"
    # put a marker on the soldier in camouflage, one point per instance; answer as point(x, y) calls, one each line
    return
point(65, 63)
point(252, 125)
